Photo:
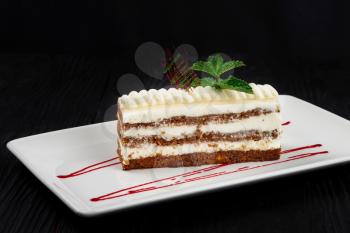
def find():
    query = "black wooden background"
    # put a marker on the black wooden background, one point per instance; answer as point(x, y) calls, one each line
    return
point(59, 67)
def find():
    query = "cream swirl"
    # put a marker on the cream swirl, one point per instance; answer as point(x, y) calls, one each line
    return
point(208, 94)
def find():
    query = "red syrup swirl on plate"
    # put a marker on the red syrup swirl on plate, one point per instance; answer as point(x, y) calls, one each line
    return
point(90, 168)
point(181, 179)
point(94, 168)
point(300, 148)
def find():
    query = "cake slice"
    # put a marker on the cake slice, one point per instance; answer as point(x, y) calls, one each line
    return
point(202, 125)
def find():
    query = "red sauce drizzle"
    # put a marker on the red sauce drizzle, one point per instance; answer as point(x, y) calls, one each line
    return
point(90, 168)
point(172, 180)
point(286, 123)
point(300, 148)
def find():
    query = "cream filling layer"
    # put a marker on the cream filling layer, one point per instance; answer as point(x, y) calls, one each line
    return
point(148, 150)
point(159, 112)
point(267, 122)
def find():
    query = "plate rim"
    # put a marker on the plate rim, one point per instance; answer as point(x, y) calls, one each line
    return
point(80, 208)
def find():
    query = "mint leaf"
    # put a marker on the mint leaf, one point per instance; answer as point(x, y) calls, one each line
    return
point(230, 65)
point(204, 82)
point(204, 67)
point(207, 82)
point(231, 83)
point(236, 84)
point(195, 82)
point(215, 65)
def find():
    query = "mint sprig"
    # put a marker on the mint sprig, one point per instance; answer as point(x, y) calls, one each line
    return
point(215, 67)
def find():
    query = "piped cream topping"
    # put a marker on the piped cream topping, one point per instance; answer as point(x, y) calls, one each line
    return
point(207, 94)
point(155, 105)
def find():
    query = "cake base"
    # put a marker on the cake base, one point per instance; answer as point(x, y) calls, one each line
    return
point(196, 159)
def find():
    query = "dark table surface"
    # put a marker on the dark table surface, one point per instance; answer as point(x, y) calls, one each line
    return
point(43, 92)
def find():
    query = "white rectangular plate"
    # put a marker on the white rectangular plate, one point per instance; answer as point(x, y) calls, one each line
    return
point(103, 186)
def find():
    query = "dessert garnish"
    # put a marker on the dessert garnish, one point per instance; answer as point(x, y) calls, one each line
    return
point(215, 67)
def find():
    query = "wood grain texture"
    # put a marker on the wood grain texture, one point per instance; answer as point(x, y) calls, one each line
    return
point(40, 93)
